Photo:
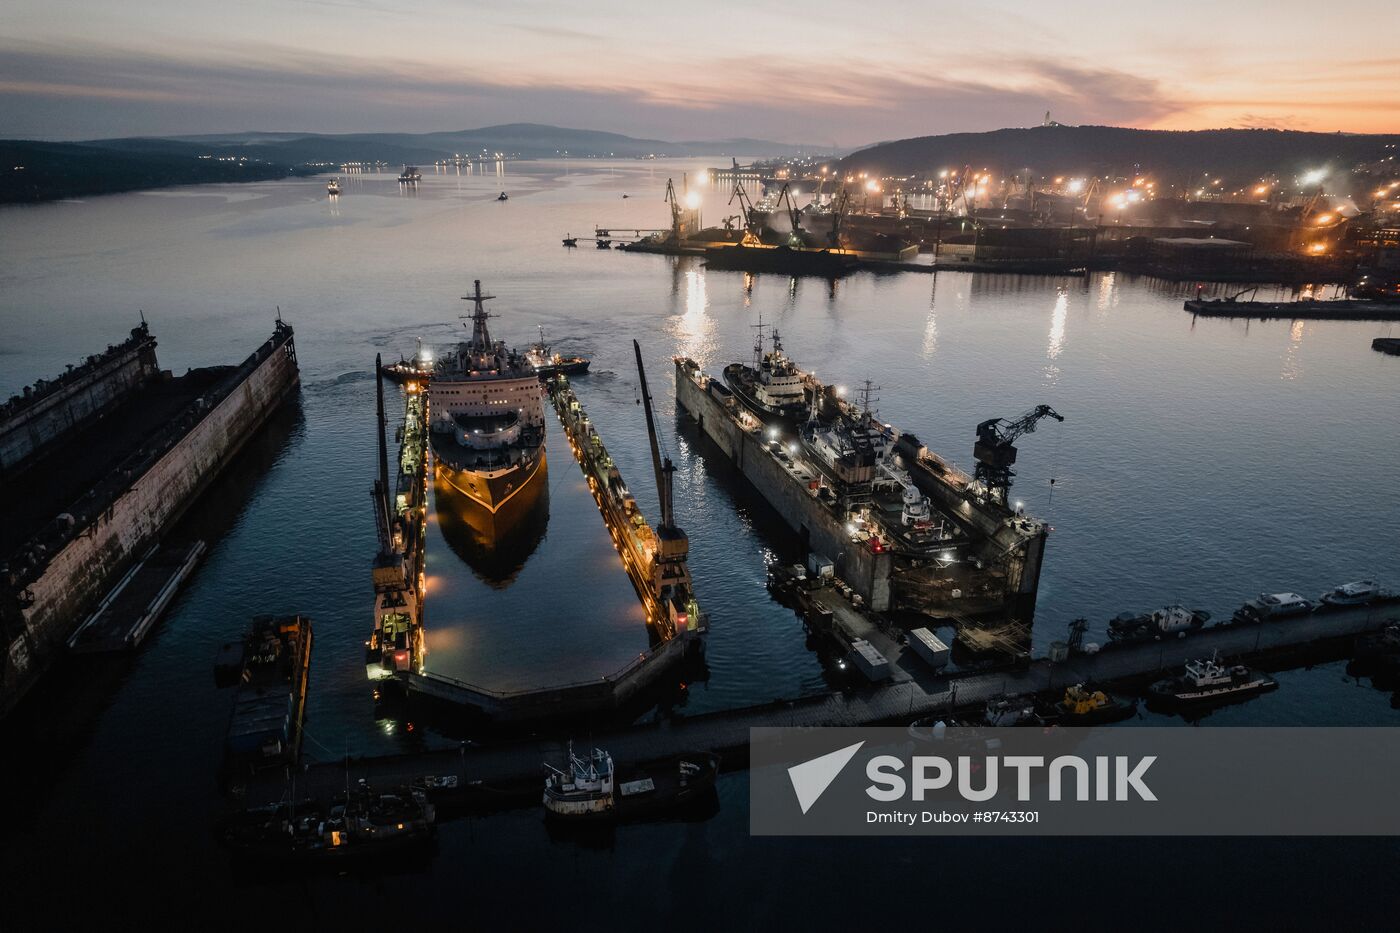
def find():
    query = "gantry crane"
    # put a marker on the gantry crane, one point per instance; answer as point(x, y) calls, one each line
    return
point(995, 450)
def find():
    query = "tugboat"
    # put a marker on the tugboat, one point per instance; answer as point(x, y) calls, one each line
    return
point(1081, 706)
point(419, 369)
point(591, 791)
point(1207, 680)
point(487, 410)
point(548, 363)
point(271, 667)
point(1169, 620)
point(361, 824)
point(333, 187)
point(772, 387)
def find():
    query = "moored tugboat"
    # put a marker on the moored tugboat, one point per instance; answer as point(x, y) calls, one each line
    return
point(1081, 706)
point(591, 791)
point(1208, 680)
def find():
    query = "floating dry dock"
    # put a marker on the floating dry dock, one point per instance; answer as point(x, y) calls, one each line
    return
point(983, 560)
point(653, 557)
point(97, 466)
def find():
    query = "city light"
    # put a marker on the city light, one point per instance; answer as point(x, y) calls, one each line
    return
point(692, 200)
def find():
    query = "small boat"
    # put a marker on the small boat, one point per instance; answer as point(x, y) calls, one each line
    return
point(1358, 593)
point(592, 791)
point(1208, 680)
point(1169, 620)
point(503, 197)
point(1081, 706)
point(1010, 711)
point(333, 187)
point(570, 240)
point(418, 369)
point(1272, 606)
point(547, 363)
point(364, 823)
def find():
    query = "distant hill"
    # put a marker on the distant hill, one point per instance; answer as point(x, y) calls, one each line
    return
point(60, 170)
point(42, 171)
point(1178, 157)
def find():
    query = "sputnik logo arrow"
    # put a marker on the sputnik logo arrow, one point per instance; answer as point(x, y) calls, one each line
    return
point(811, 778)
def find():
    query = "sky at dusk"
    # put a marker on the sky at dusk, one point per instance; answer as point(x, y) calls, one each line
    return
point(815, 72)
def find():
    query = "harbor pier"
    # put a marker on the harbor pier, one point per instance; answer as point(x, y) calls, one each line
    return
point(510, 773)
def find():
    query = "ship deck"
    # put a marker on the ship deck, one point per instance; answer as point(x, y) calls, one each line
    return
point(60, 476)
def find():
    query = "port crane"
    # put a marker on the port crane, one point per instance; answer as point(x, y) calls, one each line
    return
point(838, 214)
point(752, 233)
point(675, 202)
point(995, 450)
point(794, 216)
point(670, 576)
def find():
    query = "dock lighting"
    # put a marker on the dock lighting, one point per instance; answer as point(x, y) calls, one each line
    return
point(840, 391)
point(1133, 196)
point(1076, 185)
point(943, 174)
point(872, 186)
point(1324, 219)
point(792, 448)
point(851, 528)
point(1262, 189)
point(772, 434)
point(692, 200)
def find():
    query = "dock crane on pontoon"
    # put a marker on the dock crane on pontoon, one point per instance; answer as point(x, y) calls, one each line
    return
point(995, 450)
point(670, 575)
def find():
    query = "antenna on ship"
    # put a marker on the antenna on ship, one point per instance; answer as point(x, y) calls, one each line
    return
point(481, 338)
point(868, 396)
point(758, 343)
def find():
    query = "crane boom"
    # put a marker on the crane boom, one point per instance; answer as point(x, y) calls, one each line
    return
point(664, 470)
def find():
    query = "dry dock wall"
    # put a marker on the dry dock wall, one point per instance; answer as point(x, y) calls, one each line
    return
point(48, 410)
point(863, 570)
point(50, 601)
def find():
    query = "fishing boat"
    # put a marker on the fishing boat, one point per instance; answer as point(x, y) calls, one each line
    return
point(548, 363)
point(1208, 680)
point(488, 425)
point(589, 789)
point(1081, 706)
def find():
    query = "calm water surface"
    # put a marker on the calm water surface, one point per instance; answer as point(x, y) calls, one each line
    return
point(1200, 461)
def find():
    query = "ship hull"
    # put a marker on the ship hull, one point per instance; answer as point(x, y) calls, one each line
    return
point(494, 544)
point(737, 377)
point(490, 489)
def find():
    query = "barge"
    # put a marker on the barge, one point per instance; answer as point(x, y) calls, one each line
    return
point(1303, 309)
point(271, 668)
